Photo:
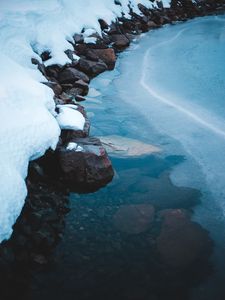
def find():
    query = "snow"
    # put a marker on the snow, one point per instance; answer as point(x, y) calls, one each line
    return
point(28, 126)
point(74, 146)
point(70, 118)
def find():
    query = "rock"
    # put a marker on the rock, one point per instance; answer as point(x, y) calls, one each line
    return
point(134, 219)
point(181, 241)
point(152, 25)
point(120, 41)
point(53, 71)
point(46, 55)
point(103, 24)
point(79, 98)
point(123, 147)
point(57, 89)
point(82, 85)
point(68, 135)
point(78, 38)
point(84, 165)
point(106, 55)
point(70, 75)
point(91, 68)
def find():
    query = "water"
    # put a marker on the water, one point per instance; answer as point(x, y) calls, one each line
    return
point(167, 90)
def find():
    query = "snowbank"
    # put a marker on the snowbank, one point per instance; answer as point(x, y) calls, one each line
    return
point(27, 112)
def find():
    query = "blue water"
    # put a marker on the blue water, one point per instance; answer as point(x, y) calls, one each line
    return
point(167, 90)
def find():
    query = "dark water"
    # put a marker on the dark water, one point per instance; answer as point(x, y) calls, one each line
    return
point(155, 232)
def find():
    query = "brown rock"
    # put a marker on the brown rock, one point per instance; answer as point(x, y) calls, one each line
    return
point(181, 241)
point(108, 56)
point(120, 41)
point(134, 219)
point(86, 168)
point(70, 75)
point(83, 86)
point(91, 68)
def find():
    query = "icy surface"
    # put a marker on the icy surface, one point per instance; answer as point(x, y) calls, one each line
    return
point(27, 113)
point(182, 95)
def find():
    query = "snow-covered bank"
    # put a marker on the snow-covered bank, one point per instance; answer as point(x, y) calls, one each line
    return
point(27, 110)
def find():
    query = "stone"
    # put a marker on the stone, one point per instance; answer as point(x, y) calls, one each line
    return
point(120, 41)
point(56, 87)
point(78, 38)
point(181, 242)
point(120, 146)
point(70, 75)
point(134, 219)
point(92, 68)
point(107, 55)
point(83, 86)
point(103, 24)
point(86, 166)
point(68, 135)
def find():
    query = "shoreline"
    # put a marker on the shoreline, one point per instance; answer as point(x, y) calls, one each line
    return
point(41, 178)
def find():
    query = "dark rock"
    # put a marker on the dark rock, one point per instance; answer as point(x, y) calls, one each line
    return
point(181, 241)
point(79, 98)
point(91, 68)
point(57, 89)
point(86, 170)
point(78, 38)
point(106, 55)
point(103, 24)
point(46, 55)
point(83, 86)
point(134, 219)
point(70, 75)
point(68, 135)
point(53, 71)
point(120, 41)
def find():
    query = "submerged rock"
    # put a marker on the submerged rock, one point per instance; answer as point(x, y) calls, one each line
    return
point(182, 242)
point(123, 147)
point(134, 219)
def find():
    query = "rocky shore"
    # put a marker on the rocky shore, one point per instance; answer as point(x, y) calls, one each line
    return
point(80, 162)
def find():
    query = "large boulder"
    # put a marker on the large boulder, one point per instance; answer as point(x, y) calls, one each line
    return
point(120, 41)
point(108, 56)
point(92, 68)
point(134, 218)
point(70, 75)
point(182, 242)
point(84, 165)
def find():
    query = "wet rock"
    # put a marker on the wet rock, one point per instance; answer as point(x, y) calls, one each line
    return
point(181, 242)
point(134, 219)
point(85, 166)
point(120, 41)
point(70, 75)
point(91, 68)
point(124, 147)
